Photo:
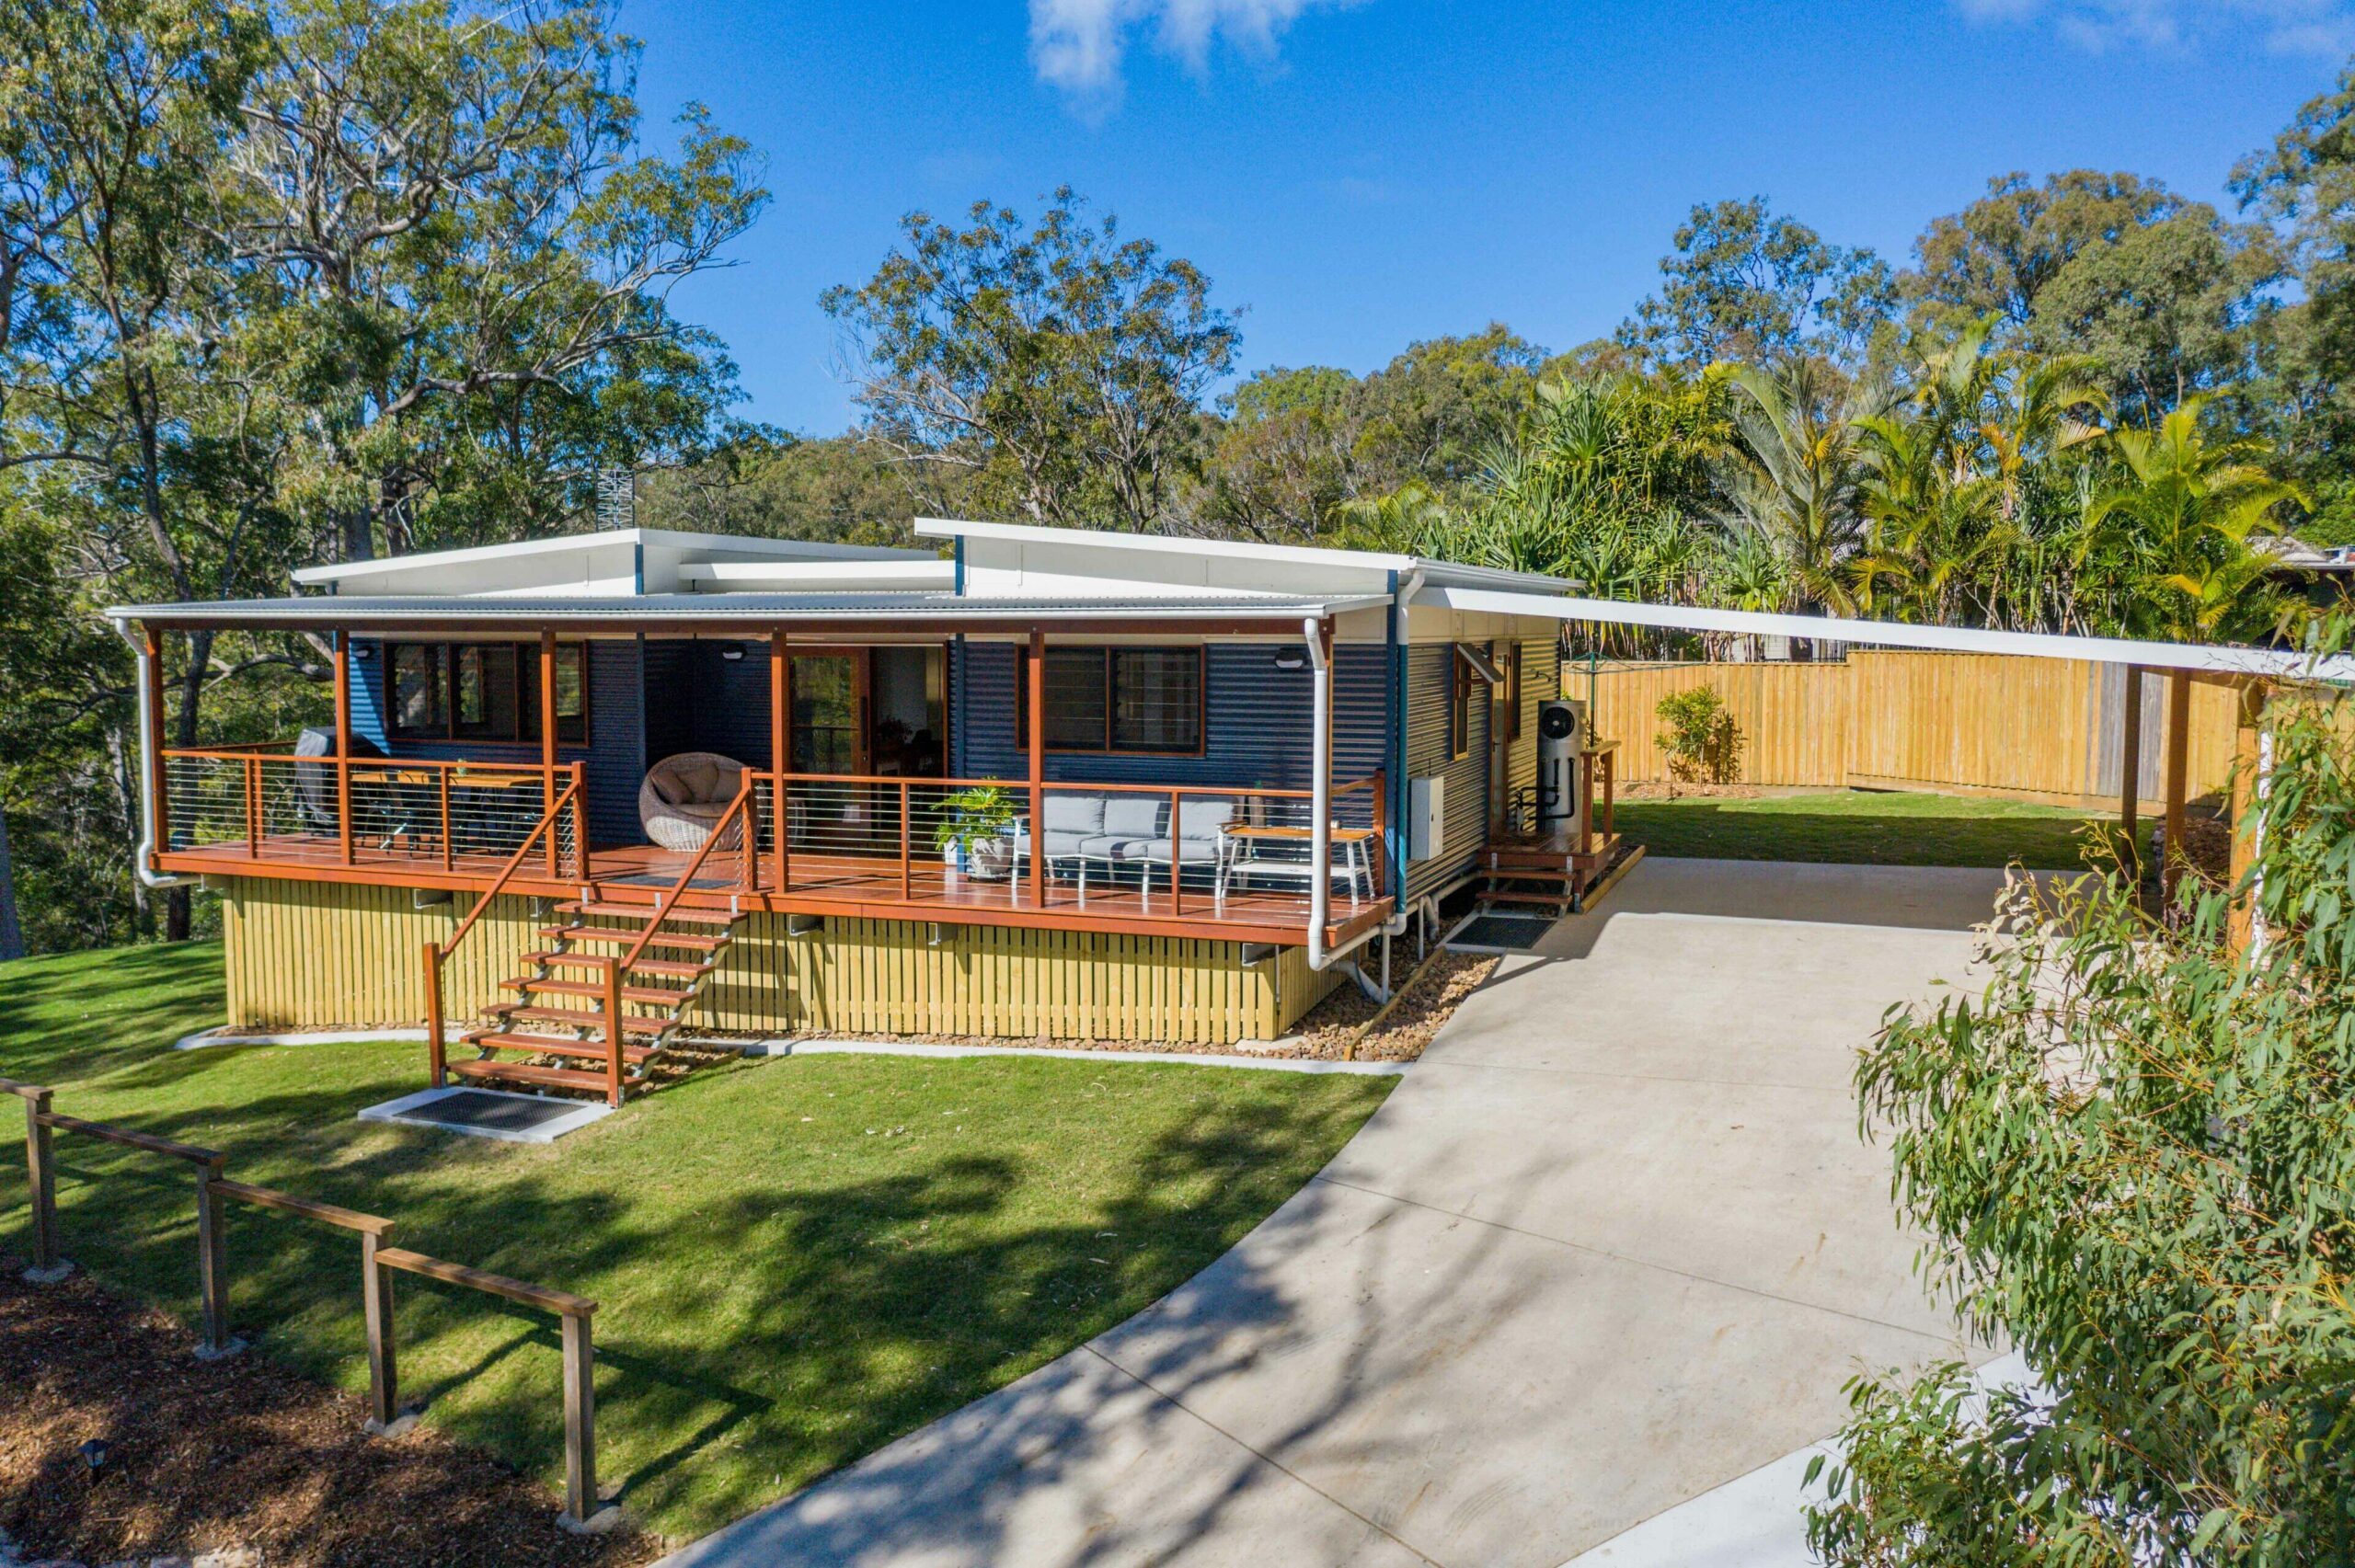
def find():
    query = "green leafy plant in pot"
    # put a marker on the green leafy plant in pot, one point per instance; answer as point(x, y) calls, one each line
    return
point(971, 831)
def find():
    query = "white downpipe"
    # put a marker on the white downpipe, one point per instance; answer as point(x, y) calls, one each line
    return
point(1402, 623)
point(151, 725)
point(1320, 795)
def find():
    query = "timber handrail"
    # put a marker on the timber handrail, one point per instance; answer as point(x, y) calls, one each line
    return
point(1068, 786)
point(364, 764)
point(564, 1304)
point(437, 954)
point(375, 1259)
point(548, 819)
point(670, 899)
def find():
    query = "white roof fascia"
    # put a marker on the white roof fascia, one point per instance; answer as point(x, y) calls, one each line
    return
point(931, 572)
point(1310, 556)
point(2193, 656)
point(801, 549)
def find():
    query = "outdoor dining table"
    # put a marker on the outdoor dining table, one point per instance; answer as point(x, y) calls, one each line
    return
point(1245, 857)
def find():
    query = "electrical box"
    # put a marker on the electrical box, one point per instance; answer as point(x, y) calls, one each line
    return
point(1426, 817)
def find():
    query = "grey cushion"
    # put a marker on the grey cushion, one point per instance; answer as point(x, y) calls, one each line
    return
point(1060, 846)
point(1192, 850)
point(1136, 816)
point(1205, 819)
point(1080, 814)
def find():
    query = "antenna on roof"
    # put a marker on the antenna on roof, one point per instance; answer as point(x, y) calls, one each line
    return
point(616, 499)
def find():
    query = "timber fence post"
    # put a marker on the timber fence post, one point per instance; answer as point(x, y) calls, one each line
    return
point(213, 1267)
point(40, 1170)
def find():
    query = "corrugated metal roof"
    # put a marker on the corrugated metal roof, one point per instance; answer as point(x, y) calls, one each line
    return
point(2196, 657)
point(355, 611)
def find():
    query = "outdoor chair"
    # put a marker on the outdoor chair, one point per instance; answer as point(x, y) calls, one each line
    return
point(685, 796)
point(1069, 821)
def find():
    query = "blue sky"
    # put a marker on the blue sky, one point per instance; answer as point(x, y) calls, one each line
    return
point(1360, 175)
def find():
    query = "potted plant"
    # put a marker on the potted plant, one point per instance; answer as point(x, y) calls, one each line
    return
point(971, 831)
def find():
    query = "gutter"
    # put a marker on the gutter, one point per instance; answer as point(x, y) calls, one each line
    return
point(150, 738)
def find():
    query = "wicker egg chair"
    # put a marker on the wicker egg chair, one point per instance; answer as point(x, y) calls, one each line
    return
point(685, 796)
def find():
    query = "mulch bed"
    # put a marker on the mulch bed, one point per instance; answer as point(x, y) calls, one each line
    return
point(1335, 1027)
point(236, 1453)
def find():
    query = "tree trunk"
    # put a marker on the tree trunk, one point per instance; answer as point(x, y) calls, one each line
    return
point(126, 796)
point(177, 911)
point(12, 933)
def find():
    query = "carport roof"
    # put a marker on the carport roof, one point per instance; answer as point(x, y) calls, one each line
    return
point(2195, 658)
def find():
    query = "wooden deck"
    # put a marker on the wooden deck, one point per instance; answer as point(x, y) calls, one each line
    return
point(871, 888)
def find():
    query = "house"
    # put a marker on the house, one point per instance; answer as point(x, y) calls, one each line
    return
point(1053, 783)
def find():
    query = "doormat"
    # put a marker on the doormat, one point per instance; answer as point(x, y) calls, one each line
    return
point(489, 1113)
point(1497, 934)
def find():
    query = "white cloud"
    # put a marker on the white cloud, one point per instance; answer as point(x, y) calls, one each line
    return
point(2290, 27)
point(1079, 45)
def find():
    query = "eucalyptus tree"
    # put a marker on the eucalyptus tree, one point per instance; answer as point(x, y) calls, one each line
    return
point(1744, 283)
point(456, 255)
point(1061, 367)
point(2132, 1150)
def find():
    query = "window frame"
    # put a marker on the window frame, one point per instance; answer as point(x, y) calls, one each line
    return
point(1509, 662)
point(445, 659)
point(1107, 655)
point(1461, 676)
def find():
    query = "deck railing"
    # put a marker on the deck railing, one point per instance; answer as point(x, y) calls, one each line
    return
point(1181, 849)
point(361, 810)
point(1194, 851)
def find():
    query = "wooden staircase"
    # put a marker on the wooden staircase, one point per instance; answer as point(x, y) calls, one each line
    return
point(606, 995)
point(569, 1007)
point(1551, 876)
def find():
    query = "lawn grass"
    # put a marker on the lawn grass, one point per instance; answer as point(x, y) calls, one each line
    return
point(796, 1260)
point(1860, 828)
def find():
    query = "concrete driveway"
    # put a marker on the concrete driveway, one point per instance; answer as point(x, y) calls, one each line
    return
point(1612, 1244)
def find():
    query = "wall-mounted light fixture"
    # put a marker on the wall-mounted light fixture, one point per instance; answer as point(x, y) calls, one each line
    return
point(364, 650)
point(732, 653)
point(1291, 658)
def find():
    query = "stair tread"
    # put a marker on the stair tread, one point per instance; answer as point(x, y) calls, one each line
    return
point(631, 1023)
point(617, 934)
point(522, 1072)
point(653, 995)
point(646, 912)
point(550, 1044)
point(674, 966)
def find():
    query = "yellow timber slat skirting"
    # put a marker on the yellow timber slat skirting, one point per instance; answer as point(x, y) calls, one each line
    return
point(2043, 729)
point(315, 954)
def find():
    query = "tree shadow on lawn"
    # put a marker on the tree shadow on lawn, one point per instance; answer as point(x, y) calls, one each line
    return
point(757, 1328)
point(61, 1021)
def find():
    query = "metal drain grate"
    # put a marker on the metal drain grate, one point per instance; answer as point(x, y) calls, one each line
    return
point(1499, 934)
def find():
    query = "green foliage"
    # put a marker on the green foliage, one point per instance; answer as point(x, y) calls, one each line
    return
point(2133, 1154)
point(1703, 742)
point(972, 817)
point(1745, 284)
point(1062, 367)
point(800, 1262)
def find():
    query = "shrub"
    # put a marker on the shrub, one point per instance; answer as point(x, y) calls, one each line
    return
point(2134, 1155)
point(1703, 743)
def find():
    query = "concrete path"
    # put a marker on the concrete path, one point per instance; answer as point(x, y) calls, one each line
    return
point(1612, 1245)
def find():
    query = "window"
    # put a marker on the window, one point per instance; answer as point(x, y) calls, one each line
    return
point(485, 691)
point(1459, 704)
point(1117, 699)
point(1508, 658)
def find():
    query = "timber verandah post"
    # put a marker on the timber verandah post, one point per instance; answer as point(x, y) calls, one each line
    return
point(547, 746)
point(343, 743)
point(1035, 695)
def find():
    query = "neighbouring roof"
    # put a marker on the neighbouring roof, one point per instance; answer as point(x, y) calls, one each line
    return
point(2291, 554)
point(728, 609)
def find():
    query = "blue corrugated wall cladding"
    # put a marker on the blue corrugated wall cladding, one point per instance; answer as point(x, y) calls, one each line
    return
point(1258, 722)
point(699, 700)
point(1430, 689)
point(615, 755)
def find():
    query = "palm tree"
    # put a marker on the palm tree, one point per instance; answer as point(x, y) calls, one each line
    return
point(1797, 481)
point(2168, 536)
